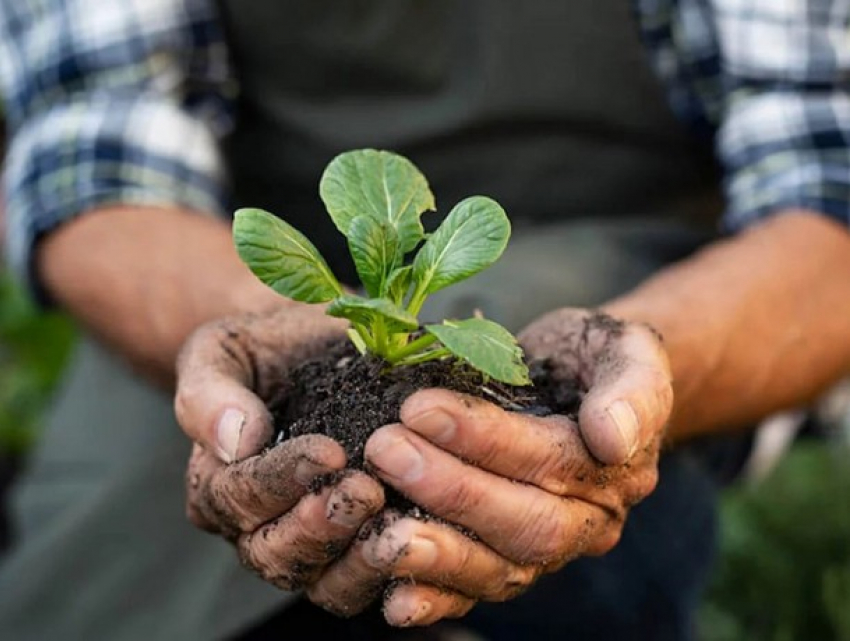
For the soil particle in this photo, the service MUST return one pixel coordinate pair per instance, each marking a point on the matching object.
(347, 396)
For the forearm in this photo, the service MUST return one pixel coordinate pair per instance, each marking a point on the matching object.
(752, 325)
(142, 279)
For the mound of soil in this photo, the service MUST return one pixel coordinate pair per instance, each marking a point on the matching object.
(347, 396)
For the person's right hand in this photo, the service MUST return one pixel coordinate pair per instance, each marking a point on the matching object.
(259, 498)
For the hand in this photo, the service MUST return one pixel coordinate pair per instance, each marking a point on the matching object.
(262, 500)
(535, 492)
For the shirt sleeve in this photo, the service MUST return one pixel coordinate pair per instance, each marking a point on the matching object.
(784, 126)
(107, 103)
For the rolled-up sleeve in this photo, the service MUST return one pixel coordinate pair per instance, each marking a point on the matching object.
(109, 103)
(784, 130)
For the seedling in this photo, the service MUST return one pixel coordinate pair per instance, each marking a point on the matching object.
(376, 199)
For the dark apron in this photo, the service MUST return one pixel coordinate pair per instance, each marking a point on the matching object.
(550, 108)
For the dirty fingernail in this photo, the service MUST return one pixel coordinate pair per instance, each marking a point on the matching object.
(435, 425)
(229, 433)
(306, 471)
(396, 457)
(420, 611)
(626, 420)
(343, 510)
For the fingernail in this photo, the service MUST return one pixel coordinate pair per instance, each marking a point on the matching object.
(625, 419)
(229, 433)
(422, 552)
(422, 611)
(435, 425)
(306, 471)
(344, 510)
(396, 457)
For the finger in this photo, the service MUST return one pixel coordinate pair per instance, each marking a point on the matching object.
(409, 604)
(351, 584)
(440, 555)
(519, 521)
(241, 496)
(547, 452)
(202, 466)
(630, 399)
(294, 550)
(213, 402)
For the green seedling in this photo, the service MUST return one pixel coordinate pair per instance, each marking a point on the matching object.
(376, 199)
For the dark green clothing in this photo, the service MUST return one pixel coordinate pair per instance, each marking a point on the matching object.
(548, 107)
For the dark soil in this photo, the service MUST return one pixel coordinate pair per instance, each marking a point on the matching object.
(348, 396)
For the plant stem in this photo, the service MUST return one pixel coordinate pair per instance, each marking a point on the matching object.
(434, 354)
(412, 348)
(365, 336)
(417, 300)
(381, 347)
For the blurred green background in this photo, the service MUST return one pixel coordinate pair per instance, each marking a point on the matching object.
(33, 350)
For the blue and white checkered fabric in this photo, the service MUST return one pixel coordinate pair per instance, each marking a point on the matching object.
(769, 80)
(125, 102)
(109, 102)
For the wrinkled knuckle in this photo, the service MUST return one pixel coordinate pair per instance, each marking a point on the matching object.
(254, 555)
(458, 500)
(545, 538)
(258, 556)
(221, 496)
(488, 449)
(306, 537)
(554, 470)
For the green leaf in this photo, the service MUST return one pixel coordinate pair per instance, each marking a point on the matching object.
(398, 284)
(376, 252)
(282, 257)
(485, 345)
(364, 311)
(470, 239)
(380, 184)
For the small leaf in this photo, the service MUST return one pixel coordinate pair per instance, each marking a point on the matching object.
(485, 345)
(282, 257)
(376, 252)
(470, 239)
(398, 284)
(380, 184)
(364, 311)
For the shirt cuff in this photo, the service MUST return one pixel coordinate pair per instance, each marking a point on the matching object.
(786, 151)
(104, 150)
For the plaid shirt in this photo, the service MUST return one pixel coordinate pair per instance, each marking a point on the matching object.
(125, 102)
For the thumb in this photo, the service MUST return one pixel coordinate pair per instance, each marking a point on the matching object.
(214, 404)
(630, 397)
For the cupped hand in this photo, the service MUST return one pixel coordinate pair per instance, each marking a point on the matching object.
(287, 524)
(528, 493)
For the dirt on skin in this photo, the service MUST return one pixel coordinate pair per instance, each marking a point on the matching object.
(347, 396)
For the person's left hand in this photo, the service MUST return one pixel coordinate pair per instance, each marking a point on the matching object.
(533, 492)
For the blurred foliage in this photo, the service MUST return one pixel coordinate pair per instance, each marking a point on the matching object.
(34, 348)
(784, 569)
